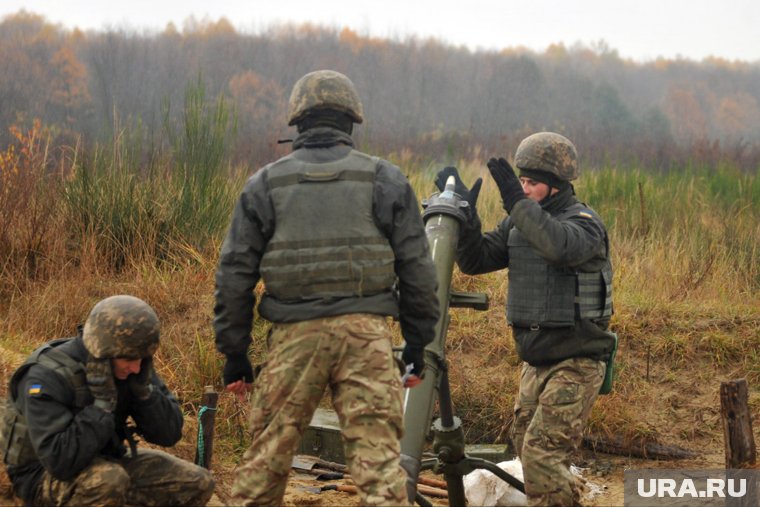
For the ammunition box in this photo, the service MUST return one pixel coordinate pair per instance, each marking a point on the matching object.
(495, 453)
(323, 438)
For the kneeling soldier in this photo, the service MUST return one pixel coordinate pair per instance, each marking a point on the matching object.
(65, 424)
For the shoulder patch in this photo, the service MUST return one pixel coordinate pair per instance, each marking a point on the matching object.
(585, 214)
(34, 390)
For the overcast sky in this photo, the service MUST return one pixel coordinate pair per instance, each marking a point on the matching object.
(639, 29)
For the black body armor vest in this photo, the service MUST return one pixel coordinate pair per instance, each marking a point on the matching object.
(544, 295)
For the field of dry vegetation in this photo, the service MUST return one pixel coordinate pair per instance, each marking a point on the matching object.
(76, 227)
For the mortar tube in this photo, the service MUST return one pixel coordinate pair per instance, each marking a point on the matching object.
(442, 216)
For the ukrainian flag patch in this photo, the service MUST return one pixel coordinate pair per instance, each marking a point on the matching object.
(585, 214)
(35, 389)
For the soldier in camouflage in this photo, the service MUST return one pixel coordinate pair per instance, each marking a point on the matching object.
(65, 427)
(337, 238)
(559, 303)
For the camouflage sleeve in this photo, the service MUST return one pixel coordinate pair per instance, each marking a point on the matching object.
(238, 270)
(159, 418)
(569, 242)
(479, 253)
(65, 443)
(398, 215)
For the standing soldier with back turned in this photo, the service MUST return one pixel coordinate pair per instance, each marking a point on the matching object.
(65, 427)
(559, 303)
(337, 237)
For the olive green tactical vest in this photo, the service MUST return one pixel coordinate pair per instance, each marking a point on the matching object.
(15, 444)
(325, 243)
(543, 295)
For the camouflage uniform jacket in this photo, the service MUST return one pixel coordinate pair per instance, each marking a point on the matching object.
(579, 241)
(66, 439)
(396, 215)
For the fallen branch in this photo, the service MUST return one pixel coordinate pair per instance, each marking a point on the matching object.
(636, 448)
(432, 491)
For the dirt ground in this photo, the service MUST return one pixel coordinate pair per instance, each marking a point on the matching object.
(605, 472)
(608, 472)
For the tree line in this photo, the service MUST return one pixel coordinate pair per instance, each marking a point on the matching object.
(420, 95)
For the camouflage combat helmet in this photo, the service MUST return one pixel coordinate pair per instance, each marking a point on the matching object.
(550, 152)
(324, 89)
(121, 326)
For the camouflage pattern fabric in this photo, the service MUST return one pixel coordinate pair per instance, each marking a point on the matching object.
(549, 152)
(152, 478)
(352, 354)
(551, 410)
(324, 89)
(121, 326)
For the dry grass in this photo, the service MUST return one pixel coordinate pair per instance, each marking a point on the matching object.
(687, 299)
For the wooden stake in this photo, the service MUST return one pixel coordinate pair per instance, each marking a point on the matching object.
(206, 428)
(737, 424)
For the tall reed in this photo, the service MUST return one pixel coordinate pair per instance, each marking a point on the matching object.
(200, 177)
(142, 212)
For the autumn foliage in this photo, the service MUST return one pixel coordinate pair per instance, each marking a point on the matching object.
(419, 94)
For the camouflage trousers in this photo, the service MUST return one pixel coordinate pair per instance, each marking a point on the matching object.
(551, 410)
(351, 354)
(151, 478)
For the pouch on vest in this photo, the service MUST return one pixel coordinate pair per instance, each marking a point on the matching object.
(15, 446)
(15, 442)
(7, 421)
(609, 373)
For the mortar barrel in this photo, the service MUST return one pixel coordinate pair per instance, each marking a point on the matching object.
(443, 215)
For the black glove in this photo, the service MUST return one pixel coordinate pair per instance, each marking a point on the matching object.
(507, 182)
(99, 376)
(415, 356)
(469, 195)
(237, 367)
(140, 384)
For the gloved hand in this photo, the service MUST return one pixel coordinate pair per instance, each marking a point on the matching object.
(140, 384)
(237, 367)
(100, 380)
(469, 195)
(507, 182)
(415, 356)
